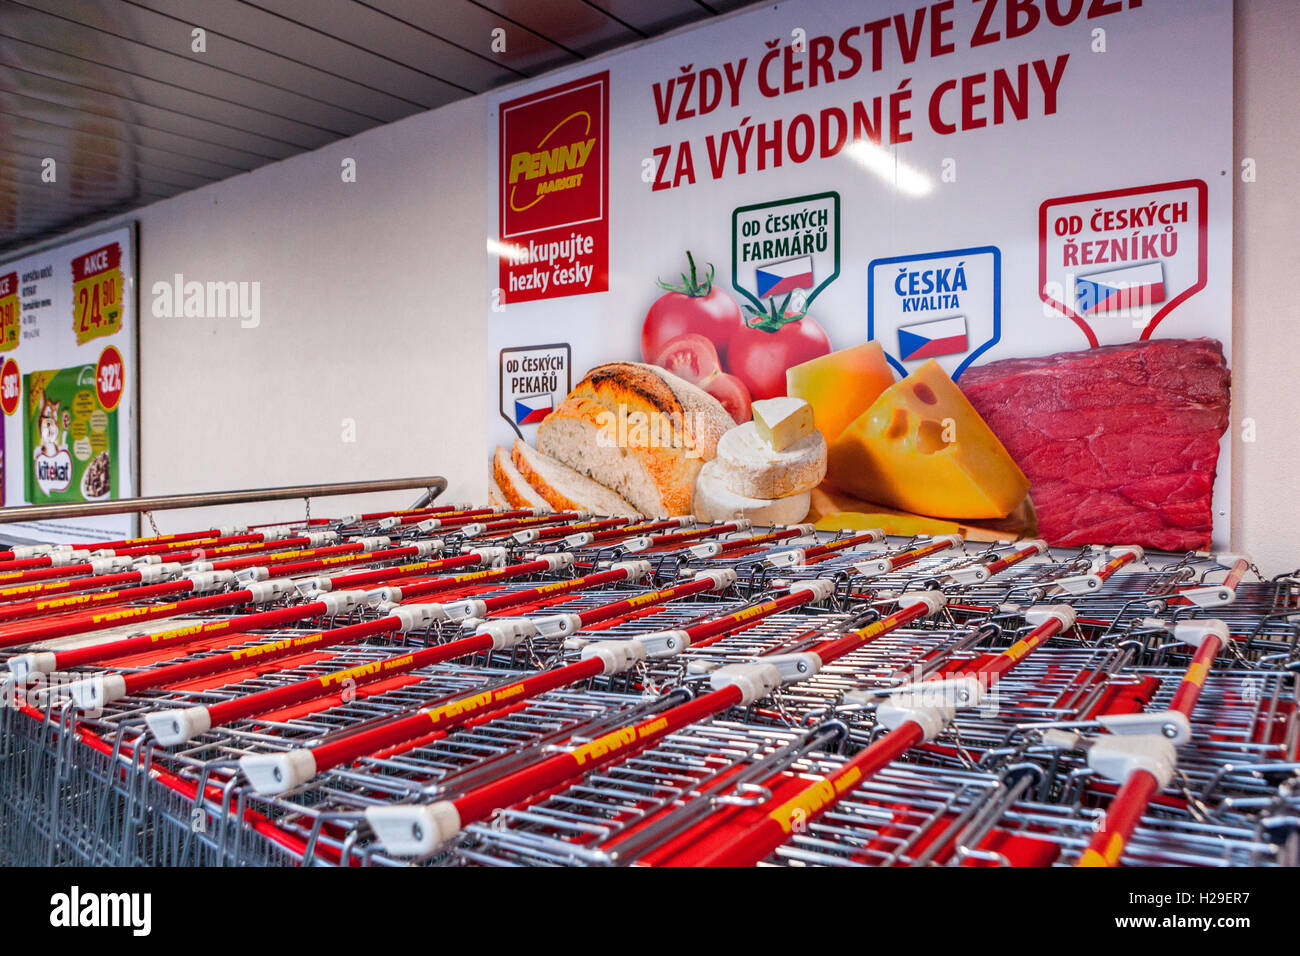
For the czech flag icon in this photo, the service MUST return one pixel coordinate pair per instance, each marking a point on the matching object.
(780, 278)
(531, 409)
(1114, 289)
(931, 339)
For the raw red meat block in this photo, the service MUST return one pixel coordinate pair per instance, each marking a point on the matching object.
(1120, 442)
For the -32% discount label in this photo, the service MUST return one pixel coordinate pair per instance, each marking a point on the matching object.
(109, 378)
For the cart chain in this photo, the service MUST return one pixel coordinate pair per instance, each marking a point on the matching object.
(1240, 657)
(962, 753)
(535, 660)
(1198, 809)
(651, 687)
(152, 524)
(778, 704)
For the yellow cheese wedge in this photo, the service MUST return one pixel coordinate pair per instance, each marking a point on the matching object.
(922, 447)
(840, 386)
(783, 421)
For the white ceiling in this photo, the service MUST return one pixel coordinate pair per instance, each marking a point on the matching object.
(114, 93)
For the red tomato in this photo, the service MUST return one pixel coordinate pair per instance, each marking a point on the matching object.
(733, 395)
(690, 356)
(694, 306)
(760, 358)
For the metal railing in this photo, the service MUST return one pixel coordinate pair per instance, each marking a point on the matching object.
(433, 485)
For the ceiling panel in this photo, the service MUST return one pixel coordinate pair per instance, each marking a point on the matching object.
(113, 91)
(164, 30)
(92, 161)
(154, 75)
(471, 26)
(175, 110)
(226, 20)
(396, 40)
(584, 27)
(23, 129)
(99, 115)
(656, 17)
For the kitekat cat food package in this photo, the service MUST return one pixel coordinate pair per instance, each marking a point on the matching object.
(70, 438)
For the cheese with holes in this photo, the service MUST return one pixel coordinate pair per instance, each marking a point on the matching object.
(840, 386)
(921, 447)
(783, 421)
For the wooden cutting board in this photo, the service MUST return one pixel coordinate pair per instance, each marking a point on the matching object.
(832, 510)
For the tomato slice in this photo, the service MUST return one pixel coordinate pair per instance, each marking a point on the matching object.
(699, 307)
(733, 395)
(690, 356)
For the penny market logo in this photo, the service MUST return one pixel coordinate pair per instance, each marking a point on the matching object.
(553, 158)
(555, 162)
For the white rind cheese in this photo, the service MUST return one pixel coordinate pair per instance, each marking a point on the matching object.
(783, 421)
(754, 469)
(714, 501)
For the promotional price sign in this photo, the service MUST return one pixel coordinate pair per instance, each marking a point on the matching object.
(68, 383)
(988, 243)
(97, 292)
(8, 312)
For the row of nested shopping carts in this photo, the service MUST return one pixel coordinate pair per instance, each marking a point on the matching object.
(457, 686)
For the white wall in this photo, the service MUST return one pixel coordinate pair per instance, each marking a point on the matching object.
(373, 304)
(375, 294)
(1266, 266)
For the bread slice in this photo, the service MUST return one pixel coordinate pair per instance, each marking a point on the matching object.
(517, 492)
(639, 430)
(496, 497)
(562, 487)
(751, 467)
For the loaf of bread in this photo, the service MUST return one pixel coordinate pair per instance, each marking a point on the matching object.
(753, 468)
(638, 430)
(514, 488)
(562, 487)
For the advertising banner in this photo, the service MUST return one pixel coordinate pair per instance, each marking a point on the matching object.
(942, 267)
(68, 383)
(554, 204)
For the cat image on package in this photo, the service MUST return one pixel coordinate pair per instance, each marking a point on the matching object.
(54, 438)
(53, 464)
